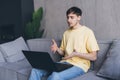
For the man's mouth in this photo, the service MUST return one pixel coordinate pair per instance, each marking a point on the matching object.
(69, 23)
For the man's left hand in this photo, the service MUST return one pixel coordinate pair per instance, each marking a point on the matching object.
(73, 54)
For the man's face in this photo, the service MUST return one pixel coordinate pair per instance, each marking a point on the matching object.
(73, 20)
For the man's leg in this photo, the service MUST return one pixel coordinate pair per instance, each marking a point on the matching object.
(66, 74)
(37, 74)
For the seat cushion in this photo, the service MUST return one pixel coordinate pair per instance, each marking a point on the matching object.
(111, 66)
(89, 76)
(21, 67)
(12, 51)
(15, 70)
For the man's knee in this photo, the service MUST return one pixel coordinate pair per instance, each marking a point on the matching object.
(34, 71)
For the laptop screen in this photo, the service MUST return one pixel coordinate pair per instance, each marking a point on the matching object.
(40, 60)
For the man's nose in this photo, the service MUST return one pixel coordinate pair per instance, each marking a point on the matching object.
(68, 19)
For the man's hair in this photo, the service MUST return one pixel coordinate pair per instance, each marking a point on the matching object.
(74, 10)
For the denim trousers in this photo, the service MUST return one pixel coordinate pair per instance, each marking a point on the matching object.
(72, 72)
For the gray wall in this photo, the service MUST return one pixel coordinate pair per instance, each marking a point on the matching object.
(102, 16)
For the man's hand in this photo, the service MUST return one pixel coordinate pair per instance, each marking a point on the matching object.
(54, 46)
(73, 54)
(91, 56)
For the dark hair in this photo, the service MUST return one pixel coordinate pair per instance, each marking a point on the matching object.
(74, 10)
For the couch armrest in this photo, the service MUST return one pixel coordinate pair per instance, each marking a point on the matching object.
(8, 71)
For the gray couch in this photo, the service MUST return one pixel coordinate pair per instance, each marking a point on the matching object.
(14, 66)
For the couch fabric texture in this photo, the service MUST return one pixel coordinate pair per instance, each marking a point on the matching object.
(14, 65)
(12, 50)
(1, 57)
(111, 66)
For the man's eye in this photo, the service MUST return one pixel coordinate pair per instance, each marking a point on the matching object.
(72, 17)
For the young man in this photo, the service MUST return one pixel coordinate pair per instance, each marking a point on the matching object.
(78, 47)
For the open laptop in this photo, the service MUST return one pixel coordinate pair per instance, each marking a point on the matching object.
(42, 60)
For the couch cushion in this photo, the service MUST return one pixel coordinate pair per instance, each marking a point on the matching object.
(15, 71)
(89, 76)
(1, 57)
(104, 47)
(25, 67)
(12, 51)
(111, 66)
(21, 67)
(43, 45)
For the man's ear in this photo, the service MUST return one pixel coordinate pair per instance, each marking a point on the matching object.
(79, 18)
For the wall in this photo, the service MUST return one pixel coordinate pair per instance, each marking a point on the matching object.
(16, 13)
(27, 9)
(10, 20)
(10, 13)
(102, 16)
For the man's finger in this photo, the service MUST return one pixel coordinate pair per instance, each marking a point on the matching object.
(53, 41)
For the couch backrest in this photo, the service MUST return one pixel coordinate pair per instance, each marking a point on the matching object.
(104, 47)
(43, 45)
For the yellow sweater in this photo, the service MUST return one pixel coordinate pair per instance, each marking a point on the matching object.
(83, 41)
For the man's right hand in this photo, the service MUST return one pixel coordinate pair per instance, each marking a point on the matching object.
(54, 46)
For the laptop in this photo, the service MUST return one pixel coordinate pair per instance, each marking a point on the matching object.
(42, 60)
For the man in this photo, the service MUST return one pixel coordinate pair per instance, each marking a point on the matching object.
(78, 47)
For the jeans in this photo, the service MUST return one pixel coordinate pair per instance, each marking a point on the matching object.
(37, 74)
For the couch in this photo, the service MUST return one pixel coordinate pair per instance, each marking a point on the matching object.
(14, 65)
